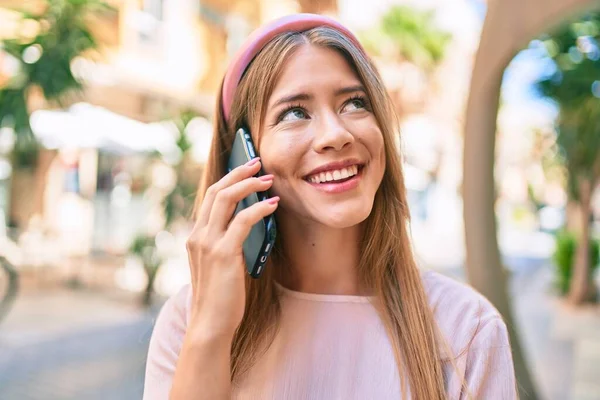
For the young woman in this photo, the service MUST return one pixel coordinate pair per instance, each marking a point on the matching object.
(341, 310)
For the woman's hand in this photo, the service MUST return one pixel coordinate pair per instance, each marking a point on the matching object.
(215, 250)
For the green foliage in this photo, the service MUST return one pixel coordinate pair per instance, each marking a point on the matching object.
(571, 48)
(574, 51)
(181, 122)
(13, 107)
(179, 203)
(144, 246)
(409, 34)
(13, 110)
(45, 59)
(564, 259)
(25, 152)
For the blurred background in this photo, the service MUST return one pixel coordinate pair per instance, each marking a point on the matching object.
(105, 125)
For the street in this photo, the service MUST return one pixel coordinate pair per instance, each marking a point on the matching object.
(107, 362)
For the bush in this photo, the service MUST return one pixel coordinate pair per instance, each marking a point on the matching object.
(564, 259)
(144, 246)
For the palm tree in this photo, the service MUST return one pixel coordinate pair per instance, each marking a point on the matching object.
(60, 35)
(408, 34)
(574, 50)
(409, 38)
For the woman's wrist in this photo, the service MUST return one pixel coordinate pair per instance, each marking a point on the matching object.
(203, 330)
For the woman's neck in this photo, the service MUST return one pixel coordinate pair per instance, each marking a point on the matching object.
(319, 259)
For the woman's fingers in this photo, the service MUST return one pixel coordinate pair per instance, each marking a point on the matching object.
(240, 226)
(227, 199)
(236, 175)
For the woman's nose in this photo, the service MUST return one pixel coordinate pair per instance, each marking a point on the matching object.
(331, 134)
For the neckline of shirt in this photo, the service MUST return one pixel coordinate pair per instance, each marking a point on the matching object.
(327, 298)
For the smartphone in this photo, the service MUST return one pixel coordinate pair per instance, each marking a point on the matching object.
(260, 241)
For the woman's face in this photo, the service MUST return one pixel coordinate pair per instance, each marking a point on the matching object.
(321, 141)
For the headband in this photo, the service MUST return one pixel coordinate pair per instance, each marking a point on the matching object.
(260, 37)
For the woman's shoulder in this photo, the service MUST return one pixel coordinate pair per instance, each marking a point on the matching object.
(459, 310)
(174, 314)
(178, 305)
(166, 343)
(447, 295)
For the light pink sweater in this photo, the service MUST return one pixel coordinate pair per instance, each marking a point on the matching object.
(333, 347)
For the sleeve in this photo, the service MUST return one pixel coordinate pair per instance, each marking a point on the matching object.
(489, 372)
(165, 345)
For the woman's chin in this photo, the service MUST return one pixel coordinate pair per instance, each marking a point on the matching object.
(341, 219)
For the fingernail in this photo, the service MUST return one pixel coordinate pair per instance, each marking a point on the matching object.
(253, 161)
(266, 178)
(273, 200)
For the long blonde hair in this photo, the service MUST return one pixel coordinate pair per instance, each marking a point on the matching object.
(387, 265)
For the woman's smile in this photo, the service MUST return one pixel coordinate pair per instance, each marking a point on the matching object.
(336, 177)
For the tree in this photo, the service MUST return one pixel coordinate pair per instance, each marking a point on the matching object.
(179, 203)
(145, 248)
(574, 51)
(410, 39)
(61, 35)
(408, 34)
(52, 37)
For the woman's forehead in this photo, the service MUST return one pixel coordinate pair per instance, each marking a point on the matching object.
(312, 69)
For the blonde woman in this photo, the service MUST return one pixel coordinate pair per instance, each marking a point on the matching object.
(341, 310)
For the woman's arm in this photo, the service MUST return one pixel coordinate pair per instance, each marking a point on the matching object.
(184, 362)
(189, 357)
(203, 370)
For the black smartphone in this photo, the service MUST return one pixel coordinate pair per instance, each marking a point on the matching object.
(260, 241)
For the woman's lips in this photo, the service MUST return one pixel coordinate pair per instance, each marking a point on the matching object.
(340, 186)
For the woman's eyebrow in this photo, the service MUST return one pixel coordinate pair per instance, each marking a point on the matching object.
(350, 89)
(292, 98)
(305, 96)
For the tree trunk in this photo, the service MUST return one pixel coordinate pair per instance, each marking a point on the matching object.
(27, 188)
(149, 290)
(147, 297)
(21, 204)
(580, 289)
(573, 216)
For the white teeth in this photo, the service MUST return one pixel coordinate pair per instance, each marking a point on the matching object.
(334, 175)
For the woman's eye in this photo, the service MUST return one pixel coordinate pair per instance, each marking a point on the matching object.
(294, 114)
(354, 104)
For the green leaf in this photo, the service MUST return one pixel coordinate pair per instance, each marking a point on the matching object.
(408, 34)
(570, 87)
(65, 37)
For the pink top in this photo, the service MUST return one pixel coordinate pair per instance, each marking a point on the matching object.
(335, 347)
